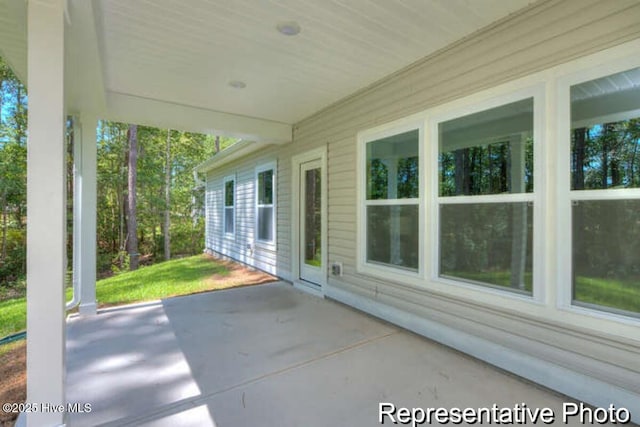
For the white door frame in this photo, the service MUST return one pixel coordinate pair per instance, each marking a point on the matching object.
(296, 162)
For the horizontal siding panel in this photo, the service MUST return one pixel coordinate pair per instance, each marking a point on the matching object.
(239, 247)
(448, 75)
(546, 34)
(345, 242)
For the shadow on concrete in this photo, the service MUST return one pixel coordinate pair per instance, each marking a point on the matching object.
(271, 356)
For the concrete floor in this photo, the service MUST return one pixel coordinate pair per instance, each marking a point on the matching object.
(268, 355)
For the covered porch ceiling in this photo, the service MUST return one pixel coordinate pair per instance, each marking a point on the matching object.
(178, 64)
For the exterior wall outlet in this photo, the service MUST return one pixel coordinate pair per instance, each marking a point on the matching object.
(336, 269)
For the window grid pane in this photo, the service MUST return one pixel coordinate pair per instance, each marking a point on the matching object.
(489, 152)
(393, 167)
(265, 187)
(605, 133)
(606, 253)
(393, 235)
(489, 244)
(229, 193)
(265, 223)
(228, 220)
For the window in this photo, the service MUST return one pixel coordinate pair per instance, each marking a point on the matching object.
(391, 205)
(485, 197)
(265, 204)
(605, 192)
(229, 206)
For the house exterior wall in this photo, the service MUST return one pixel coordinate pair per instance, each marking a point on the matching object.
(596, 359)
(242, 245)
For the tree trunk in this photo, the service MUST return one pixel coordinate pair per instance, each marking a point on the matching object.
(167, 198)
(579, 154)
(460, 157)
(132, 225)
(3, 252)
(217, 144)
(605, 154)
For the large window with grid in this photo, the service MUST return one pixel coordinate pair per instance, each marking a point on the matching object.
(391, 200)
(604, 196)
(485, 202)
(528, 191)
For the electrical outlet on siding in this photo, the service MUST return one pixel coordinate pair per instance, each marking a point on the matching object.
(336, 268)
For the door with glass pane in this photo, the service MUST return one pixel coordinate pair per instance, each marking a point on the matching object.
(310, 200)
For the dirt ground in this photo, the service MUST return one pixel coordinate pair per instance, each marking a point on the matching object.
(13, 357)
(13, 385)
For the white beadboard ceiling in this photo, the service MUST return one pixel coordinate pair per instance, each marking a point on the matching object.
(169, 62)
(187, 51)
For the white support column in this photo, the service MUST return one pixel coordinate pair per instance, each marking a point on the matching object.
(87, 273)
(46, 224)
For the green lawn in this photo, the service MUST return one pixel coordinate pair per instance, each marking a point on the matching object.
(497, 278)
(176, 277)
(609, 292)
(620, 294)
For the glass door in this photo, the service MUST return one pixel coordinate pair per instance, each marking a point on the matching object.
(311, 267)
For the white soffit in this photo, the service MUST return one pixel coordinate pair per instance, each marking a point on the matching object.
(188, 51)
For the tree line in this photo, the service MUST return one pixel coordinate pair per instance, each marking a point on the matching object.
(149, 206)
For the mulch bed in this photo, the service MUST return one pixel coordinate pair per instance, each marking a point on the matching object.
(13, 388)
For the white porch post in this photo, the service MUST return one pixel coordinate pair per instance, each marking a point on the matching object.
(46, 227)
(87, 225)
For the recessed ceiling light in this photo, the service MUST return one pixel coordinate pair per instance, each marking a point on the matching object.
(237, 84)
(290, 28)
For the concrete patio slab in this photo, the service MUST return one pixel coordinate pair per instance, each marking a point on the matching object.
(268, 355)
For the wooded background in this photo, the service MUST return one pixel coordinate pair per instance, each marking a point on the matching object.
(147, 200)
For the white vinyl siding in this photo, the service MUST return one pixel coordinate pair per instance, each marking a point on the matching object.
(545, 338)
(542, 37)
(244, 246)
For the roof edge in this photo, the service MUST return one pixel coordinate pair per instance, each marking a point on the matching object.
(229, 154)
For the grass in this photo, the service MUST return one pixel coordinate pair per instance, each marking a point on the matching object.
(496, 278)
(183, 276)
(615, 293)
(13, 316)
(609, 292)
(167, 279)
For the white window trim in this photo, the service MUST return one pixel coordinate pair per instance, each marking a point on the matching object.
(493, 100)
(550, 301)
(266, 244)
(566, 196)
(297, 160)
(232, 234)
(389, 272)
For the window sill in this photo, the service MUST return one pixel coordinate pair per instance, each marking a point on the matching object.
(627, 319)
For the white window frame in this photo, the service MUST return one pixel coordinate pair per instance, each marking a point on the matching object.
(266, 244)
(477, 104)
(566, 196)
(390, 272)
(228, 234)
(552, 287)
